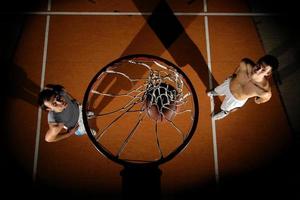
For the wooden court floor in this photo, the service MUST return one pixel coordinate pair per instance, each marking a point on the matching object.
(71, 48)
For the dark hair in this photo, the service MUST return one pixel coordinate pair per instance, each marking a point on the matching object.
(46, 94)
(248, 61)
(269, 60)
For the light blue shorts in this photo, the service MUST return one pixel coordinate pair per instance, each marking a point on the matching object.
(81, 129)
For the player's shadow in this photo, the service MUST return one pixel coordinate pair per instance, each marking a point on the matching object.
(20, 86)
(17, 83)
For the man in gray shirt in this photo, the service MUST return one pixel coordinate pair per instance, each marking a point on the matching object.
(64, 113)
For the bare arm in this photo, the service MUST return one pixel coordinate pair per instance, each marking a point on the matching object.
(54, 133)
(237, 69)
(241, 67)
(263, 98)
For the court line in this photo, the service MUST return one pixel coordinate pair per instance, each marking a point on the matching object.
(213, 124)
(38, 129)
(144, 13)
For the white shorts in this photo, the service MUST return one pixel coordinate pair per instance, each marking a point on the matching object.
(229, 102)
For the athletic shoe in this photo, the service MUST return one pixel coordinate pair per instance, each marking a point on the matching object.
(90, 114)
(220, 115)
(212, 93)
(94, 132)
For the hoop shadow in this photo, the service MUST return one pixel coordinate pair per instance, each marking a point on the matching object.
(174, 37)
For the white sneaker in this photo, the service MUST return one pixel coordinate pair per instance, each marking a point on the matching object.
(94, 133)
(90, 114)
(220, 115)
(212, 93)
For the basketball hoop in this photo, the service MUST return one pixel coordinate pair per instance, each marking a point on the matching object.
(134, 96)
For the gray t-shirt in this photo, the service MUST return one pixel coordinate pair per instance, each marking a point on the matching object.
(69, 117)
